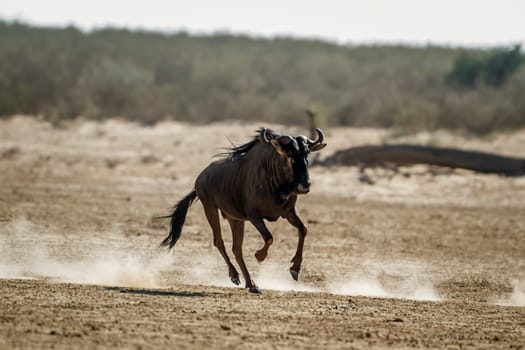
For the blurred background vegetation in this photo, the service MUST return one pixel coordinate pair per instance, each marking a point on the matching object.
(64, 73)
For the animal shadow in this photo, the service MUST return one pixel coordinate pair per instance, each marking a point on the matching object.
(157, 292)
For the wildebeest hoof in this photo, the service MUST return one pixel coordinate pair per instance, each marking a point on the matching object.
(236, 280)
(295, 274)
(255, 290)
(260, 255)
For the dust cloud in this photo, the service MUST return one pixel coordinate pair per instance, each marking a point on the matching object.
(210, 269)
(276, 277)
(206, 269)
(389, 279)
(27, 253)
(373, 287)
(516, 297)
(384, 280)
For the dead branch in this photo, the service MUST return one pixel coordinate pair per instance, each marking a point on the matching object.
(381, 155)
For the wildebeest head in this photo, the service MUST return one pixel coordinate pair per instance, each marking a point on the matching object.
(295, 151)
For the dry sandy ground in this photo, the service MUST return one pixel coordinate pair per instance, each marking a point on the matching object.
(426, 260)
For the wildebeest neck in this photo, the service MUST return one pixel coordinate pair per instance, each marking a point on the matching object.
(267, 166)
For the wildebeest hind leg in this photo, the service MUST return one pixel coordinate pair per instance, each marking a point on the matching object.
(212, 214)
(294, 219)
(237, 239)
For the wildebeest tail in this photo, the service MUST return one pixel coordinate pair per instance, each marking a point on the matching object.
(177, 219)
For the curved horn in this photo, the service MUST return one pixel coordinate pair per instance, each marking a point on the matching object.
(263, 137)
(320, 137)
(318, 144)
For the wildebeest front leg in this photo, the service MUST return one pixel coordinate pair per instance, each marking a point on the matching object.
(258, 222)
(212, 214)
(237, 239)
(294, 219)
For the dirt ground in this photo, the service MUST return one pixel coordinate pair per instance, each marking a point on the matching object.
(424, 258)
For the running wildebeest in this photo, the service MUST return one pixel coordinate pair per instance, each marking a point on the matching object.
(257, 181)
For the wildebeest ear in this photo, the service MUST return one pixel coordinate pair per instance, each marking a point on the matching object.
(278, 147)
(317, 147)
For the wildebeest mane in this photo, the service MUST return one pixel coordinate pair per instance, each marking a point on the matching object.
(236, 152)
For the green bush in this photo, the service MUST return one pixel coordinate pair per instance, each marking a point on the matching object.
(501, 65)
(495, 69)
(466, 72)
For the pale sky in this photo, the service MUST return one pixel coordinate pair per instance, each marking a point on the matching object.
(449, 22)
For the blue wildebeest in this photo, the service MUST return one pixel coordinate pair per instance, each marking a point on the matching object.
(257, 181)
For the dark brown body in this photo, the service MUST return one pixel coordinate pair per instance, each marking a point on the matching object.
(242, 186)
(255, 182)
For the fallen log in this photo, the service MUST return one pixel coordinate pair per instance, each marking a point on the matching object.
(374, 155)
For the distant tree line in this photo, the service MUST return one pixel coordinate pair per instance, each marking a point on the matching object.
(64, 73)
